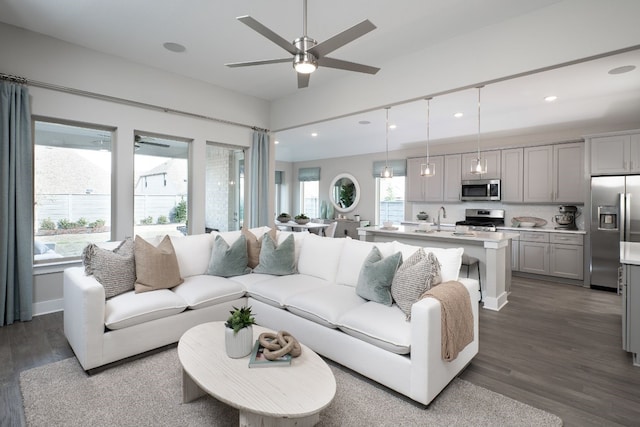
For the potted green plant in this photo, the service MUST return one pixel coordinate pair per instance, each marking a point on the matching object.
(284, 217)
(422, 216)
(238, 337)
(302, 219)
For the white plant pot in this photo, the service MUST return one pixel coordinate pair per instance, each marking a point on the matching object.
(240, 344)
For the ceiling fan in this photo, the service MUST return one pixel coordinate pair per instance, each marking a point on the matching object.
(139, 139)
(307, 53)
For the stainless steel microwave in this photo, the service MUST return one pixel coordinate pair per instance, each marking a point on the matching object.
(480, 189)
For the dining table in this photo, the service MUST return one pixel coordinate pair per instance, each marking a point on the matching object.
(294, 226)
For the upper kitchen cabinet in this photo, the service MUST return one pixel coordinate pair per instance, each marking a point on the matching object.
(615, 154)
(452, 177)
(554, 174)
(421, 188)
(511, 185)
(493, 165)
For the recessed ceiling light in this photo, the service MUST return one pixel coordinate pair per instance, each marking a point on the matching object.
(458, 115)
(276, 142)
(622, 70)
(174, 47)
(364, 122)
(392, 126)
(550, 98)
(314, 134)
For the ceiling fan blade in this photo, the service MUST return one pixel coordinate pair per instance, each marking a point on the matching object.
(339, 40)
(303, 80)
(346, 65)
(157, 144)
(266, 32)
(263, 62)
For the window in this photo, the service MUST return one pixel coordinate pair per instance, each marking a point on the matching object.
(161, 185)
(390, 199)
(224, 183)
(72, 183)
(309, 191)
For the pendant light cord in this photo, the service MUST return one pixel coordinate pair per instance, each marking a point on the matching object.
(428, 121)
(478, 139)
(386, 163)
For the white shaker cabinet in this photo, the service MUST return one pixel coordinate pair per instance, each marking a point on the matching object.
(538, 177)
(452, 177)
(552, 254)
(554, 174)
(424, 189)
(512, 168)
(615, 154)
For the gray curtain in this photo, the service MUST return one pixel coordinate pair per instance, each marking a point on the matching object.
(259, 188)
(16, 204)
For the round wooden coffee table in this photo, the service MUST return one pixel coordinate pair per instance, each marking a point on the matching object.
(279, 395)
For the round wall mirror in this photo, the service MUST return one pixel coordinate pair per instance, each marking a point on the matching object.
(344, 192)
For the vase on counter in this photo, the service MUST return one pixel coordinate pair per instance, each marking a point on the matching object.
(323, 209)
(330, 212)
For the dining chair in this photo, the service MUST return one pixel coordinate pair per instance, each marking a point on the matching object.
(330, 231)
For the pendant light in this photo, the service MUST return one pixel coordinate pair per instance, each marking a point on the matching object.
(387, 172)
(478, 165)
(428, 169)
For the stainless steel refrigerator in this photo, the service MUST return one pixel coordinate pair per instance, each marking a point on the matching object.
(615, 217)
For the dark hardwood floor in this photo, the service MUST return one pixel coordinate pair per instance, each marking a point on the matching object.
(556, 347)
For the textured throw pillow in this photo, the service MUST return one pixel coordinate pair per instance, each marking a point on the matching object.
(376, 275)
(414, 277)
(156, 267)
(277, 260)
(254, 244)
(114, 270)
(228, 261)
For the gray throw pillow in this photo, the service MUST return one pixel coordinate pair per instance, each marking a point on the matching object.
(376, 275)
(278, 260)
(114, 270)
(414, 277)
(228, 261)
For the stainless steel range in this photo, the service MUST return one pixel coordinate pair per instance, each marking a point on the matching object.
(483, 219)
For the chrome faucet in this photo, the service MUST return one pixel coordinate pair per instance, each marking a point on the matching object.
(444, 215)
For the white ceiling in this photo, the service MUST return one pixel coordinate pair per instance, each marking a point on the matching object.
(136, 30)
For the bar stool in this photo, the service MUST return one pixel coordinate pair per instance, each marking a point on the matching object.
(468, 261)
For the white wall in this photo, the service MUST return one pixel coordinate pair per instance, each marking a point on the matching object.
(48, 60)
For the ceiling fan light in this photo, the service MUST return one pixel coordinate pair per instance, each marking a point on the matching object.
(305, 63)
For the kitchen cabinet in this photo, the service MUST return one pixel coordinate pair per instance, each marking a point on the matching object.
(552, 254)
(452, 177)
(515, 253)
(615, 154)
(512, 166)
(424, 189)
(493, 165)
(554, 174)
(629, 287)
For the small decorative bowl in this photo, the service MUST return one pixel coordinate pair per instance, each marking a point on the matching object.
(284, 218)
(302, 221)
(422, 217)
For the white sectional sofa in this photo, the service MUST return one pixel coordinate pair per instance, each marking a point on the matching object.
(318, 305)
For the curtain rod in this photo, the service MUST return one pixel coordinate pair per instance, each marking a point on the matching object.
(124, 101)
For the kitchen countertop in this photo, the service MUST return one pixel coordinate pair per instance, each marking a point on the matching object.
(630, 253)
(546, 229)
(447, 232)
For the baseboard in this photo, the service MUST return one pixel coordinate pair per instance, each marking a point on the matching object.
(46, 307)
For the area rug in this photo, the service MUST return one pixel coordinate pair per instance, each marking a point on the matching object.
(148, 392)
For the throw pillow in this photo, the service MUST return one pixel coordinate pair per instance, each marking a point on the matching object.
(376, 275)
(278, 260)
(254, 244)
(414, 277)
(228, 261)
(114, 270)
(156, 267)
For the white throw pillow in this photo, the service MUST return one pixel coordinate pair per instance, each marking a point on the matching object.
(193, 253)
(319, 256)
(450, 259)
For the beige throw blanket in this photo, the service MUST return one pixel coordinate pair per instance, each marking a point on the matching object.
(457, 317)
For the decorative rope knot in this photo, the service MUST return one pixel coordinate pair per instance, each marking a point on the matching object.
(277, 345)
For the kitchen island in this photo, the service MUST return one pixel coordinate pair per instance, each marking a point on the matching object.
(493, 250)
(629, 287)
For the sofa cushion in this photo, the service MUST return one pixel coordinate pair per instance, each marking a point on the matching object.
(277, 290)
(277, 260)
(324, 305)
(319, 256)
(228, 260)
(156, 266)
(450, 259)
(115, 270)
(376, 276)
(203, 291)
(248, 280)
(353, 254)
(414, 277)
(383, 326)
(298, 239)
(193, 253)
(132, 308)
